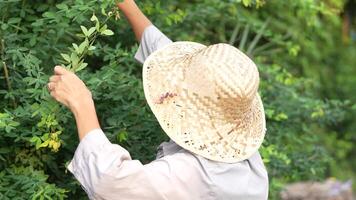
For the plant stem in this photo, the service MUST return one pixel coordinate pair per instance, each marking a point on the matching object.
(6, 71)
(257, 38)
(91, 42)
(244, 37)
(234, 34)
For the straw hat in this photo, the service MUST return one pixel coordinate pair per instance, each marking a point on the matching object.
(205, 99)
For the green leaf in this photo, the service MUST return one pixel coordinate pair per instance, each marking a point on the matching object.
(103, 28)
(37, 23)
(34, 139)
(13, 123)
(82, 46)
(91, 48)
(103, 12)
(38, 143)
(4, 26)
(32, 41)
(97, 26)
(246, 2)
(65, 57)
(14, 20)
(44, 137)
(8, 129)
(81, 66)
(49, 15)
(353, 107)
(281, 117)
(94, 18)
(76, 48)
(62, 6)
(91, 31)
(81, 35)
(4, 115)
(122, 136)
(44, 144)
(107, 32)
(74, 59)
(269, 113)
(85, 30)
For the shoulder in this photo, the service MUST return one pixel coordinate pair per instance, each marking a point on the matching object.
(152, 39)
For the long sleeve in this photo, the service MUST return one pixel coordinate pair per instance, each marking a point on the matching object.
(106, 171)
(96, 157)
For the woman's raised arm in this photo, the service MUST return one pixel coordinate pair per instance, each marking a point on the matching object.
(135, 17)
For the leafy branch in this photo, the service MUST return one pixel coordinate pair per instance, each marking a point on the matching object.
(75, 60)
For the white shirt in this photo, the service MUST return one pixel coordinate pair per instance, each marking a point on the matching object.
(107, 171)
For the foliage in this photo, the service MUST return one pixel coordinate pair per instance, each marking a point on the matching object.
(31, 181)
(292, 48)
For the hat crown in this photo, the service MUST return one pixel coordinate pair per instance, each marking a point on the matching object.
(222, 71)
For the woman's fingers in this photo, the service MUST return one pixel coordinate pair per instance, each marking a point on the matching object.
(55, 78)
(58, 70)
(51, 86)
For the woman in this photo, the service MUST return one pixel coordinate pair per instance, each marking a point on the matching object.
(205, 99)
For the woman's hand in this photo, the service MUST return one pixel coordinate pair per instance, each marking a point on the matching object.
(67, 88)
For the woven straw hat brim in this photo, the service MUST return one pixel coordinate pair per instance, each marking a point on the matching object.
(194, 122)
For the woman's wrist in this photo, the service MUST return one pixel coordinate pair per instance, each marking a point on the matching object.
(85, 116)
(77, 107)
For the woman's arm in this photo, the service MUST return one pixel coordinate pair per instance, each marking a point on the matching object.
(135, 17)
(69, 90)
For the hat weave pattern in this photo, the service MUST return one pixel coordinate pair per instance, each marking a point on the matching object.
(205, 99)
